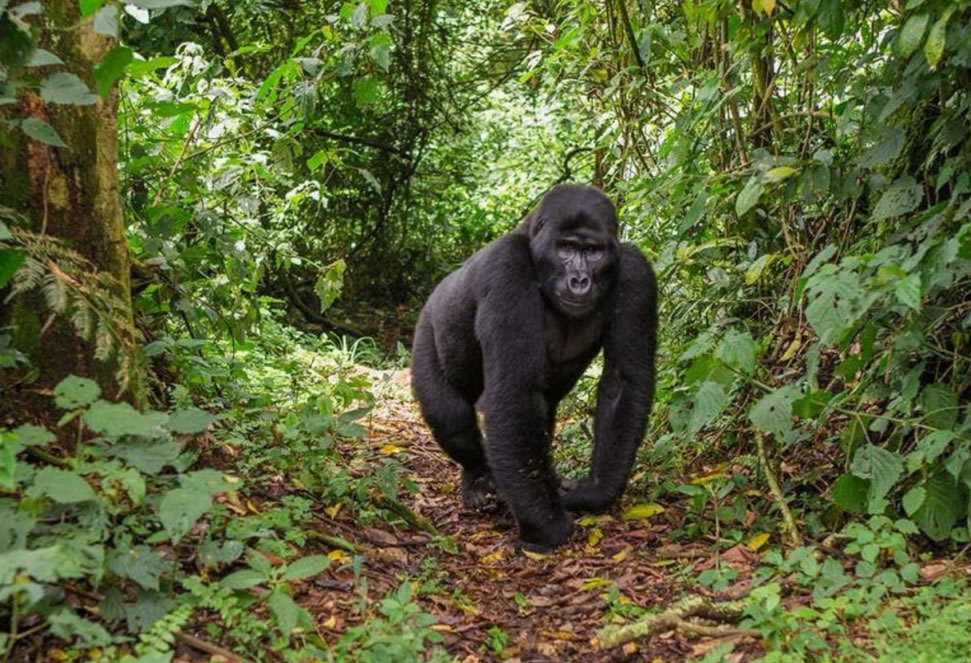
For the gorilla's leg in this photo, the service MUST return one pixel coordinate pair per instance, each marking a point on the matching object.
(451, 418)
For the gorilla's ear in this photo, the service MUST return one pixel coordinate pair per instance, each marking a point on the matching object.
(536, 223)
(531, 224)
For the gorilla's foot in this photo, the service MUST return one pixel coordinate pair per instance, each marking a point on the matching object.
(477, 486)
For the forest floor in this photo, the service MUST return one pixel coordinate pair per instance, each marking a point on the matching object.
(492, 601)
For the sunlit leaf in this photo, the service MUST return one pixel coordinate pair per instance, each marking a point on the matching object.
(642, 511)
(911, 34)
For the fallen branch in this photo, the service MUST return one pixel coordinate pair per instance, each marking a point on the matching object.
(208, 647)
(676, 617)
(406, 514)
(332, 541)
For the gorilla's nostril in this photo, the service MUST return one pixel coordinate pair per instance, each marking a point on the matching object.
(579, 285)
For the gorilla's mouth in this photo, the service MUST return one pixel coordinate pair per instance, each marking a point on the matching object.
(575, 307)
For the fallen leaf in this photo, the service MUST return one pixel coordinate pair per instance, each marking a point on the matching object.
(706, 478)
(535, 555)
(640, 511)
(594, 539)
(595, 583)
(389, 449)
(333, 510)
(494, 557)
(622, 555)
(339, 556)
(331, 622)
(757, 541)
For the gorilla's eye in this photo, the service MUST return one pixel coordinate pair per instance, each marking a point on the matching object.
(566, 251)
(593, 253)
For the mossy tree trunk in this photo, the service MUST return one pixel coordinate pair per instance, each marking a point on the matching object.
(71, 194)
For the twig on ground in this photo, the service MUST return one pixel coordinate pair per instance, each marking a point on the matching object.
(394, 506)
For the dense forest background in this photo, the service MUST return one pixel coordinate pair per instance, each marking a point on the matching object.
(218, 221)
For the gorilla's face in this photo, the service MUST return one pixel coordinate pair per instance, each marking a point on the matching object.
(574, 247)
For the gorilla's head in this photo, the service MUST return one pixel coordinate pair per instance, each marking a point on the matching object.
(573, 241)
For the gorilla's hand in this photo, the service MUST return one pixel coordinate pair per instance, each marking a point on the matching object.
(545, 536)
(476, 488)
(587, 496)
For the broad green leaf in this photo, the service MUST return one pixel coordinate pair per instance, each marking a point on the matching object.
(160, 4)
(306, 567)
(773, 412)
(31, 435)
(831, 18)
(754, 272)
(941, 506)
(117, 419)
(738, 349)
(68, 626)
(695, 212)
(378, 7)
(367, 91)
(5, 233)
(914, 499)
(380, 50)
(209, 481)
(748, 196)
(901, 197)
(882, 467)
(139, 14)
(43, 58)
(62, 486)
(66, 88)
(934, 48)
(836, 302)
(908, 291)
(148, 456)
(73, 392)
(940, 406)
(911, 34)
(89, 7)
(284, 610)
(886, 148)
(111, 69)
(106, 21)
(929, 448)
(319, 158)
(190, 420)
(763, 6)
(708, 402)
(780, 173)
(10, 262)
(41, 131)
(140, 564)
(140, 68)
(180, 509)
(850, 492)
(244, 579)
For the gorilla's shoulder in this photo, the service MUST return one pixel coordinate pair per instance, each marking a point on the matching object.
(632, 259)
(508, 254)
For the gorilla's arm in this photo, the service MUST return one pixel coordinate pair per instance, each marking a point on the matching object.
(509, 328)
(626, 389)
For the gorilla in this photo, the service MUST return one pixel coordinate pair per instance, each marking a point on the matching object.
(510, 333)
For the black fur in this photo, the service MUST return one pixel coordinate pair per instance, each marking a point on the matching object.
(511, 332)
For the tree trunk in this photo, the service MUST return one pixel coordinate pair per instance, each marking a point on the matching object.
(70, 195)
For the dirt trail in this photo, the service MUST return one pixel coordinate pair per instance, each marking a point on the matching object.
(550, 607)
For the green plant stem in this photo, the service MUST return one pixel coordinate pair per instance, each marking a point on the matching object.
(789, 523)
(14, 618)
